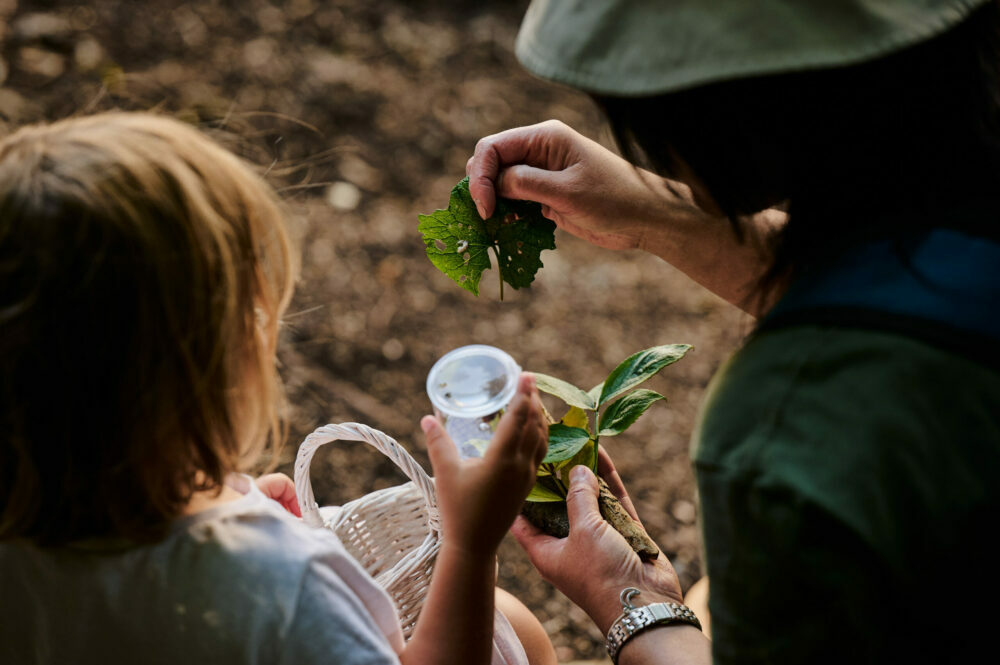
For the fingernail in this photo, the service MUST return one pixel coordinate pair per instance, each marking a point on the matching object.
(578, 474)
(479, 208)
(427, 424)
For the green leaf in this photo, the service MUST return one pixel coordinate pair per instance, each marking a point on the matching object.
(457, 239)
(620, 415)
(587, 457)
(595, 392)
(521, 232)
(543, 493)
(446, 231)
(638, 367)
(564, 442)
(565, 391)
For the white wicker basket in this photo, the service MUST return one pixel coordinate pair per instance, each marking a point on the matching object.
(393, 533)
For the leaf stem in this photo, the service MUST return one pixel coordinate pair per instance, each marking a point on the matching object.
(562, 486)
(554, 474)
(496, 253)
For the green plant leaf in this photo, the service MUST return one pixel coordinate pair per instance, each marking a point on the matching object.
(458, 227)
(587, 456)
(457, 239)
(638, 367)
(564, 442)
(595, 392)
(542, 492)
(565, 391)
(620, 415)
(576, 417)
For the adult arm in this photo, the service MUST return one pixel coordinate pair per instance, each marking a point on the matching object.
(611, 565)
(477, 500)
(596, 195)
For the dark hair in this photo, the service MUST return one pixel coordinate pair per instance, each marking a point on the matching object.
(854, 152)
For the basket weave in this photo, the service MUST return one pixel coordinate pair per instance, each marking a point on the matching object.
(394, 533)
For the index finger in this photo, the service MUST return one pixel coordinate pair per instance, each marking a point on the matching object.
(606, 470)
(520, 145)
(540, 547)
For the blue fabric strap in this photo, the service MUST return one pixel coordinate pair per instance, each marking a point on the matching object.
(939, 284)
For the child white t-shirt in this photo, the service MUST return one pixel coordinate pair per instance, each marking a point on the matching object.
(243, 583)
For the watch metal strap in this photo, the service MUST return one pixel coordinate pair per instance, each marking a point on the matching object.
(637, 619)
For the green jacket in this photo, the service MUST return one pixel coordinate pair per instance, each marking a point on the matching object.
(850, 490)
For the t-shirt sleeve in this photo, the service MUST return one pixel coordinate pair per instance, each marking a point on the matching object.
(331, 623)
(789, 583)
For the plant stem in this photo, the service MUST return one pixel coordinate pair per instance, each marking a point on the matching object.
(565, 490)
(496, 253)
(554, 473)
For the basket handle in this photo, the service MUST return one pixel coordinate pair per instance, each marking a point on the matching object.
(382, 442)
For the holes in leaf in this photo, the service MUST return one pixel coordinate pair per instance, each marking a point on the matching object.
(467, 257)
(462, 278)
(440, 244)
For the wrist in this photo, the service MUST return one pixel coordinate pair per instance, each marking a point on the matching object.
(679, 643)
(468, 555)
(637, 620)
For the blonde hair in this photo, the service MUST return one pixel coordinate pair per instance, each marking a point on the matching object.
(143, 274)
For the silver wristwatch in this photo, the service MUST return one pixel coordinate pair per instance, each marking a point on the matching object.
(634, 620)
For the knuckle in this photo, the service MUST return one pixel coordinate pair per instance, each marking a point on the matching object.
(559, 129)
(577, 492)
(510, 179)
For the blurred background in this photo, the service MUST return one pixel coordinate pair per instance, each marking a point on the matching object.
(363, 113)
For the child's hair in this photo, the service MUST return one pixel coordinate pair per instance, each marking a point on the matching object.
(143, 274)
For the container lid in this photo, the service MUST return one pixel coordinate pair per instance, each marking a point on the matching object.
(473, 381)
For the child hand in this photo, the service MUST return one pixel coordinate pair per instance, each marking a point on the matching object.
(280, 487)
(479, 498)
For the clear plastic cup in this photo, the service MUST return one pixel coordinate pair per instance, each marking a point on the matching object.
(470, 387)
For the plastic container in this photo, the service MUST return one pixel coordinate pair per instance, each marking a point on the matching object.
(470, 387)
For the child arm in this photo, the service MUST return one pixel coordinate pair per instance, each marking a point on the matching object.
(478, 500)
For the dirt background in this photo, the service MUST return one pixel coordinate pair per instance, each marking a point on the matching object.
(364, 112)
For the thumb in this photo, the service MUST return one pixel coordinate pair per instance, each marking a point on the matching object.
(581, 501)
(442, 451)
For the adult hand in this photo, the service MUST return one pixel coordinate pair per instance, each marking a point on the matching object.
(478, 498)
(594, 563)
(583, 187)
(279, 487)
(596, 195)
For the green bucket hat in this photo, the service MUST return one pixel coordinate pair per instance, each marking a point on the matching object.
(645, 47)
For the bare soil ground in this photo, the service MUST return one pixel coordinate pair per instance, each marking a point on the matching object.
(364, 113)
